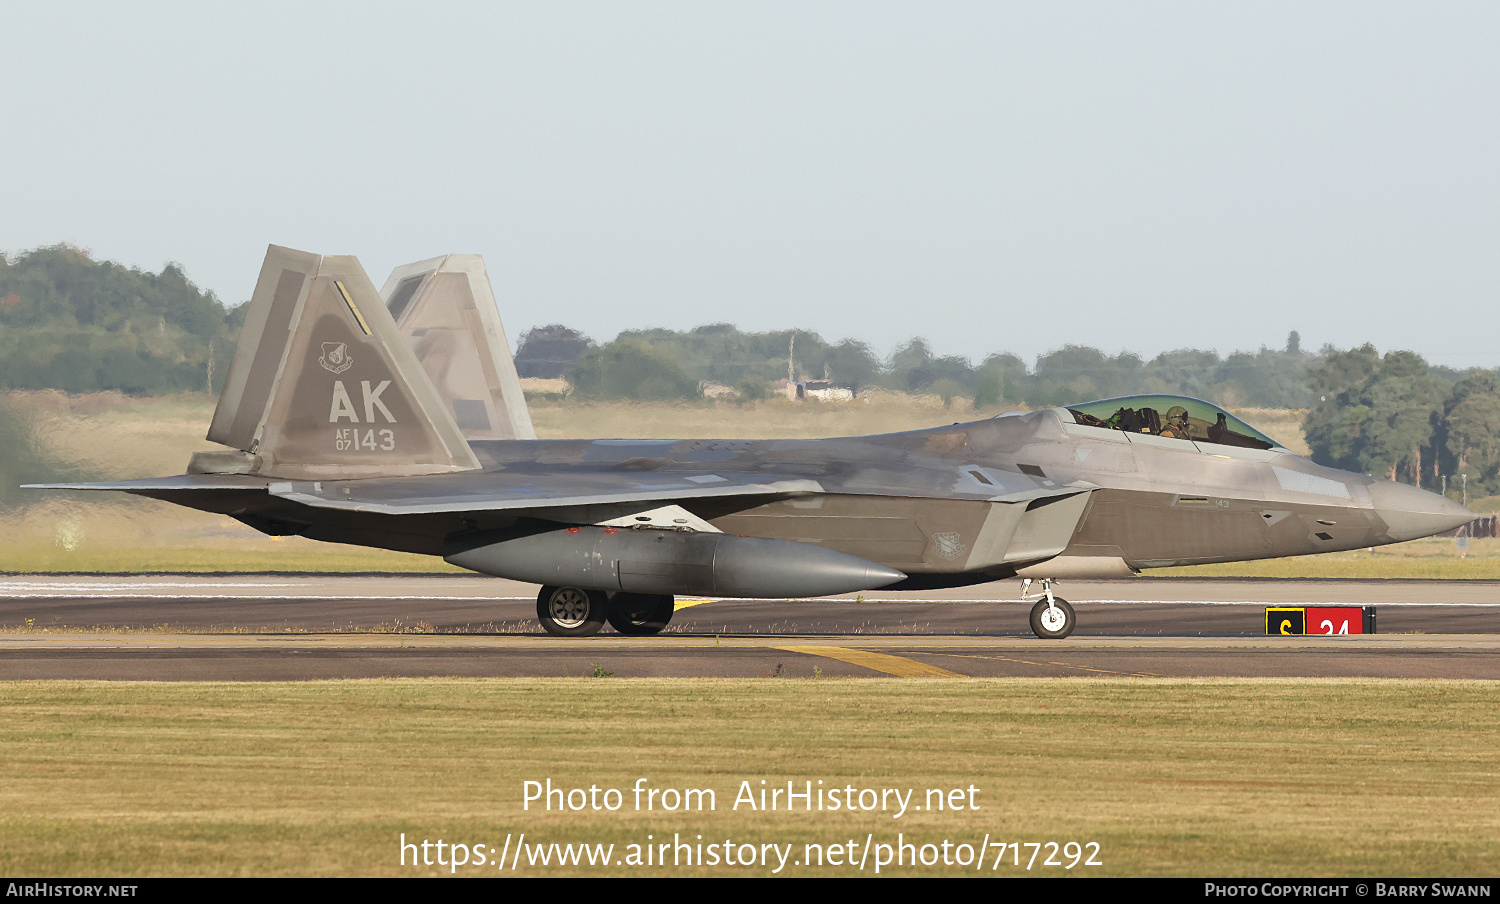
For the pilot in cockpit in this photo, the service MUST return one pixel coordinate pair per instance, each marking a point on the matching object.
(1176, 425)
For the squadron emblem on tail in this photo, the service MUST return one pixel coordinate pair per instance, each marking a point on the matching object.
(336, 358)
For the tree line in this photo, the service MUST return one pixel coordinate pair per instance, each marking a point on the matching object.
(678, 361)
(72, 323)
(1395, 417)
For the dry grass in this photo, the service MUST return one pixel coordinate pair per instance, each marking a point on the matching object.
(1170, 777)
(116, 437)
(775, 418)
(1281, 424)
(1428, 559)
(94, 532)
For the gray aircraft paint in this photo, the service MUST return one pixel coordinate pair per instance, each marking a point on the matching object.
(1036, 494)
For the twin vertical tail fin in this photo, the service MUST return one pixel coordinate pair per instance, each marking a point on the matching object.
(446, 310)
(324, 385)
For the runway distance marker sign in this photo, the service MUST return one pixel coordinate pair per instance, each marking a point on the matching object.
(1320, 620)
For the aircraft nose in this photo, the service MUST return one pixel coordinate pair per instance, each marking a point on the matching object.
(1410, 513)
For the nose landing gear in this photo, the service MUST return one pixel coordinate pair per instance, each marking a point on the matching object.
(1052, 618)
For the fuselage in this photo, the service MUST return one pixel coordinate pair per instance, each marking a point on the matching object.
(920, 501)
(1035, 493)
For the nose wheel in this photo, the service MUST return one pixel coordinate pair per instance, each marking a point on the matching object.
(1052, 618)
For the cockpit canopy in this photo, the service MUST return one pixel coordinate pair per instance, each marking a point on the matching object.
(1176, 417)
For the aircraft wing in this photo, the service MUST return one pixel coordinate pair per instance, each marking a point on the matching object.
(540, 486)
(146, 485)
(495, 492)
(544, 488)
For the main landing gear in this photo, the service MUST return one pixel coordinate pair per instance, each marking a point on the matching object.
(1052, 617)
(574, 612)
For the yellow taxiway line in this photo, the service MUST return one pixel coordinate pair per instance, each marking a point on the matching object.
(899, 666)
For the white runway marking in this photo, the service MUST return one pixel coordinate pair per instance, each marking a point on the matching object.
(1314, 604)
(191, 591)
(1311, 604)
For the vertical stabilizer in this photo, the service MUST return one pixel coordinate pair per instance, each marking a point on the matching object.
(262, 347)
(323, 384)
(445, 308)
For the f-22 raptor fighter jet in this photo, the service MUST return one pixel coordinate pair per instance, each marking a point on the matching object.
(394, 419)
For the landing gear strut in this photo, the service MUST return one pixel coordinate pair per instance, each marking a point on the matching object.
(1052, 618)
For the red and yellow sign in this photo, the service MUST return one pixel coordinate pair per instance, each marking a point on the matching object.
(1320, 620)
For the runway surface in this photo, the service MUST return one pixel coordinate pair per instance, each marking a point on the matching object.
(281, 627)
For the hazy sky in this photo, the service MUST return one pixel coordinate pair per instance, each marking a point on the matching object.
(994, 177)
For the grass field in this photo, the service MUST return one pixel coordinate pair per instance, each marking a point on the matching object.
(112, 436)
(1184, 777)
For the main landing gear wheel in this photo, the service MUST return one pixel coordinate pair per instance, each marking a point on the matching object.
(641, 613)
(1053, 622)
(571, 612)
